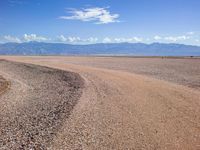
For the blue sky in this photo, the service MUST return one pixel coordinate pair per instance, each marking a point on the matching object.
(90, 21)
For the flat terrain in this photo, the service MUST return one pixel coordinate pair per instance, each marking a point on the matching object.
(126, 103)
(184, 71)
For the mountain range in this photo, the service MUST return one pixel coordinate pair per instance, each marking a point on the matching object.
(132, 49)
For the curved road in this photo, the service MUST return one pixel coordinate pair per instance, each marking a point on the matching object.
(120, 110)
(36, 105)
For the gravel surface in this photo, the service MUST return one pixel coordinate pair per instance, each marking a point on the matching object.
(2, 81)
(119, 109)
(4, 85)
(40, 99)
(183, 71)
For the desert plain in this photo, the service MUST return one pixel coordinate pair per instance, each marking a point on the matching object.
(58, 102)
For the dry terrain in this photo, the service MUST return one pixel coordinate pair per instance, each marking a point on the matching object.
(40, 99)
(184, 71)
(126, 103)
(4, 85)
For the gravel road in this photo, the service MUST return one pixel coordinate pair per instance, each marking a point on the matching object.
(4, 85)
(183, 71)
(123, 110)
(39, 100)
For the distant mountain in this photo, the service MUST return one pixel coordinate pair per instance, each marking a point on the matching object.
(136, 49)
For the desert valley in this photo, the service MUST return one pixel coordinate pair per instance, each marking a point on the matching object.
(62, 102)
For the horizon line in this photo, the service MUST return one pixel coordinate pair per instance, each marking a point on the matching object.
(98, 43)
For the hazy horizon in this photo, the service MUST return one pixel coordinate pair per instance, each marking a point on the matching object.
(82, 44)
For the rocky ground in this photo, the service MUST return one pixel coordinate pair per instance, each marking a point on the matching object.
(179, 70)
(119, 108)
(4, 85)
(39, 100)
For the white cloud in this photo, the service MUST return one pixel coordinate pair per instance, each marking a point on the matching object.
(25, 38)
(9, 38)
(96, 14)
(118, 40)
(91, 40)
(72, 39)
(107, 40)
(69, 39)
(157, 37)
(171, 38)
(62, 38)
(129, 40)
(190, 33)
(176, 38)
(138, 39)
(34, 37)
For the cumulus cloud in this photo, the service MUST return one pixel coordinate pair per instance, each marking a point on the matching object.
(185, 37)
(122, 40)
(176, 38)
(91, 40)
(24, 38)
(107, 40)
(97, 14)
(137, 39)
(62, 38)
(9, 38)
(71, 39)
(33, 37)
(157, 37)
(129, 40)
(74, 39)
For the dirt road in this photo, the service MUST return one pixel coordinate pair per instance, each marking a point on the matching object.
(122, 110)
(35, 106)
(4, 85)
